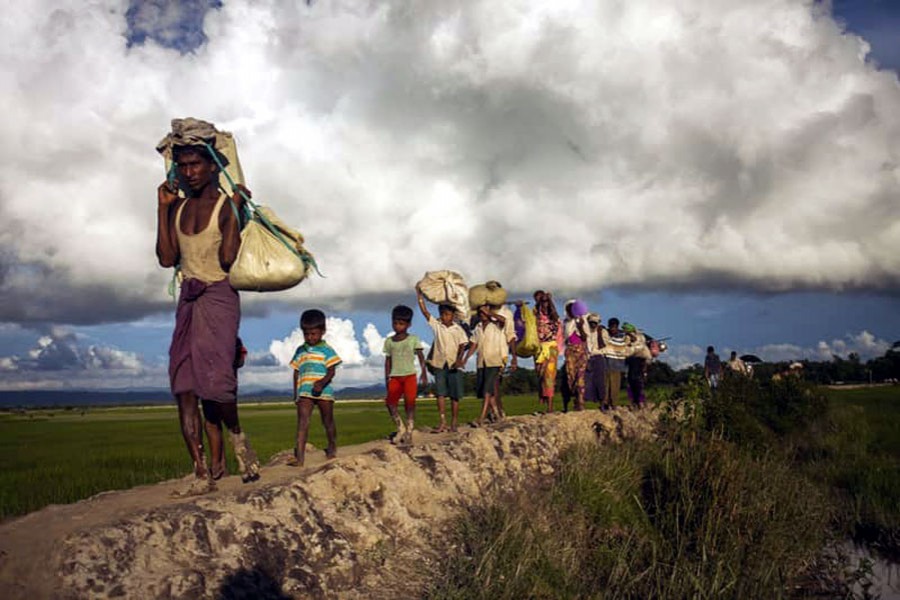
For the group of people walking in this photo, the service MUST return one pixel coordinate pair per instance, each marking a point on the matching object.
(595, 357)
(200, 235)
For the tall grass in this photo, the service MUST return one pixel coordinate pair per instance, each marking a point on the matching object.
(693, 519)
(743, 495)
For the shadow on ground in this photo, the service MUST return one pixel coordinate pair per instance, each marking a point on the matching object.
(247, 584)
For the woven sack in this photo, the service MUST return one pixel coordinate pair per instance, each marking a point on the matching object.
(490, 292)
(264, 263)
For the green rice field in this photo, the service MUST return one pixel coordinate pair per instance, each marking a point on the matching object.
(59, 456)
(64, 455)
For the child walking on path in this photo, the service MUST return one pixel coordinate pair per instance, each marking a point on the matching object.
(490, 341)
(400, 352)
(314, 364)
(448, 349)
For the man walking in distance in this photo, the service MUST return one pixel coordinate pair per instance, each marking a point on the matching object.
(201, 233)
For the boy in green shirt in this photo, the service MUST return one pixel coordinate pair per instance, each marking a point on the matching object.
(400, 352)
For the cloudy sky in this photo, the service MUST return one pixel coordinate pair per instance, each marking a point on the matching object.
(723, 172)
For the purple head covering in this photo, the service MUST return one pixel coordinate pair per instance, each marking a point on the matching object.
(579, 308)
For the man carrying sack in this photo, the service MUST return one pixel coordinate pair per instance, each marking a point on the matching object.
(200, 233)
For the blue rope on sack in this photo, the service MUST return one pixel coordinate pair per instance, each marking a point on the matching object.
(170, 178)
(305, 257)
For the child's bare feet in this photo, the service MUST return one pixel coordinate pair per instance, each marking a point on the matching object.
(330, 453)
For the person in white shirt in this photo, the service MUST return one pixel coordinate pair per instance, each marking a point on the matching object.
(490, 341)
(446, 359)
(595, 376)
(736, 365)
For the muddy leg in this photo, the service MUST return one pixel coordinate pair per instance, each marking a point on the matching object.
(326, 411)
(189, 416)
(212, 423)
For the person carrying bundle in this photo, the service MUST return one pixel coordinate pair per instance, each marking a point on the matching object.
(575, 330)
(201, 234)
(637, 363)
(447, 352)
(549, 330)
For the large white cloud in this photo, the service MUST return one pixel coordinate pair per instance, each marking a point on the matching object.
(546, 144)
(360, 364)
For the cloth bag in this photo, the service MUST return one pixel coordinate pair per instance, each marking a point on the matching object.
(490, 292)
(528, 344)
(264, 262)
(447, 287)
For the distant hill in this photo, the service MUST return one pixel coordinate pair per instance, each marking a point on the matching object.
(58, 398)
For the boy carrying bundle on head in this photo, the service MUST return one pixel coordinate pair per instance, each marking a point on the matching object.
(448, 350)
(492, 344)
(400, 352)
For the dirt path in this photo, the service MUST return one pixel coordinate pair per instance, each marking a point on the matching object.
(326, 521)
(26, 542)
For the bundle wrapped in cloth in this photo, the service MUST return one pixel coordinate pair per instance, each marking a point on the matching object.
(490, 292)
(447, 287)
(268, 260)
(271, 256)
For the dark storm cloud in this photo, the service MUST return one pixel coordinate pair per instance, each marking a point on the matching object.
(60, 350)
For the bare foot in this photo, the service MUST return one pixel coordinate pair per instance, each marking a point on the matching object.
(294, 462)
(217, 472)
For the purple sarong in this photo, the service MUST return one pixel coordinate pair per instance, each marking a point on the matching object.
(201, 357)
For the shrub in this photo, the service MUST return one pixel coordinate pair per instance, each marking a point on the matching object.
(681, 519)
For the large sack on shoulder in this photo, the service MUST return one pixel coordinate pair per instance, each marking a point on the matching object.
(490, 292)
(528, 344)
(446, 287)
(266, 263)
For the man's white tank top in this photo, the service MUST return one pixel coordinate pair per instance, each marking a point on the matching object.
(200, 252)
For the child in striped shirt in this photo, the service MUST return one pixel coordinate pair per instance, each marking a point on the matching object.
(314, 364)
